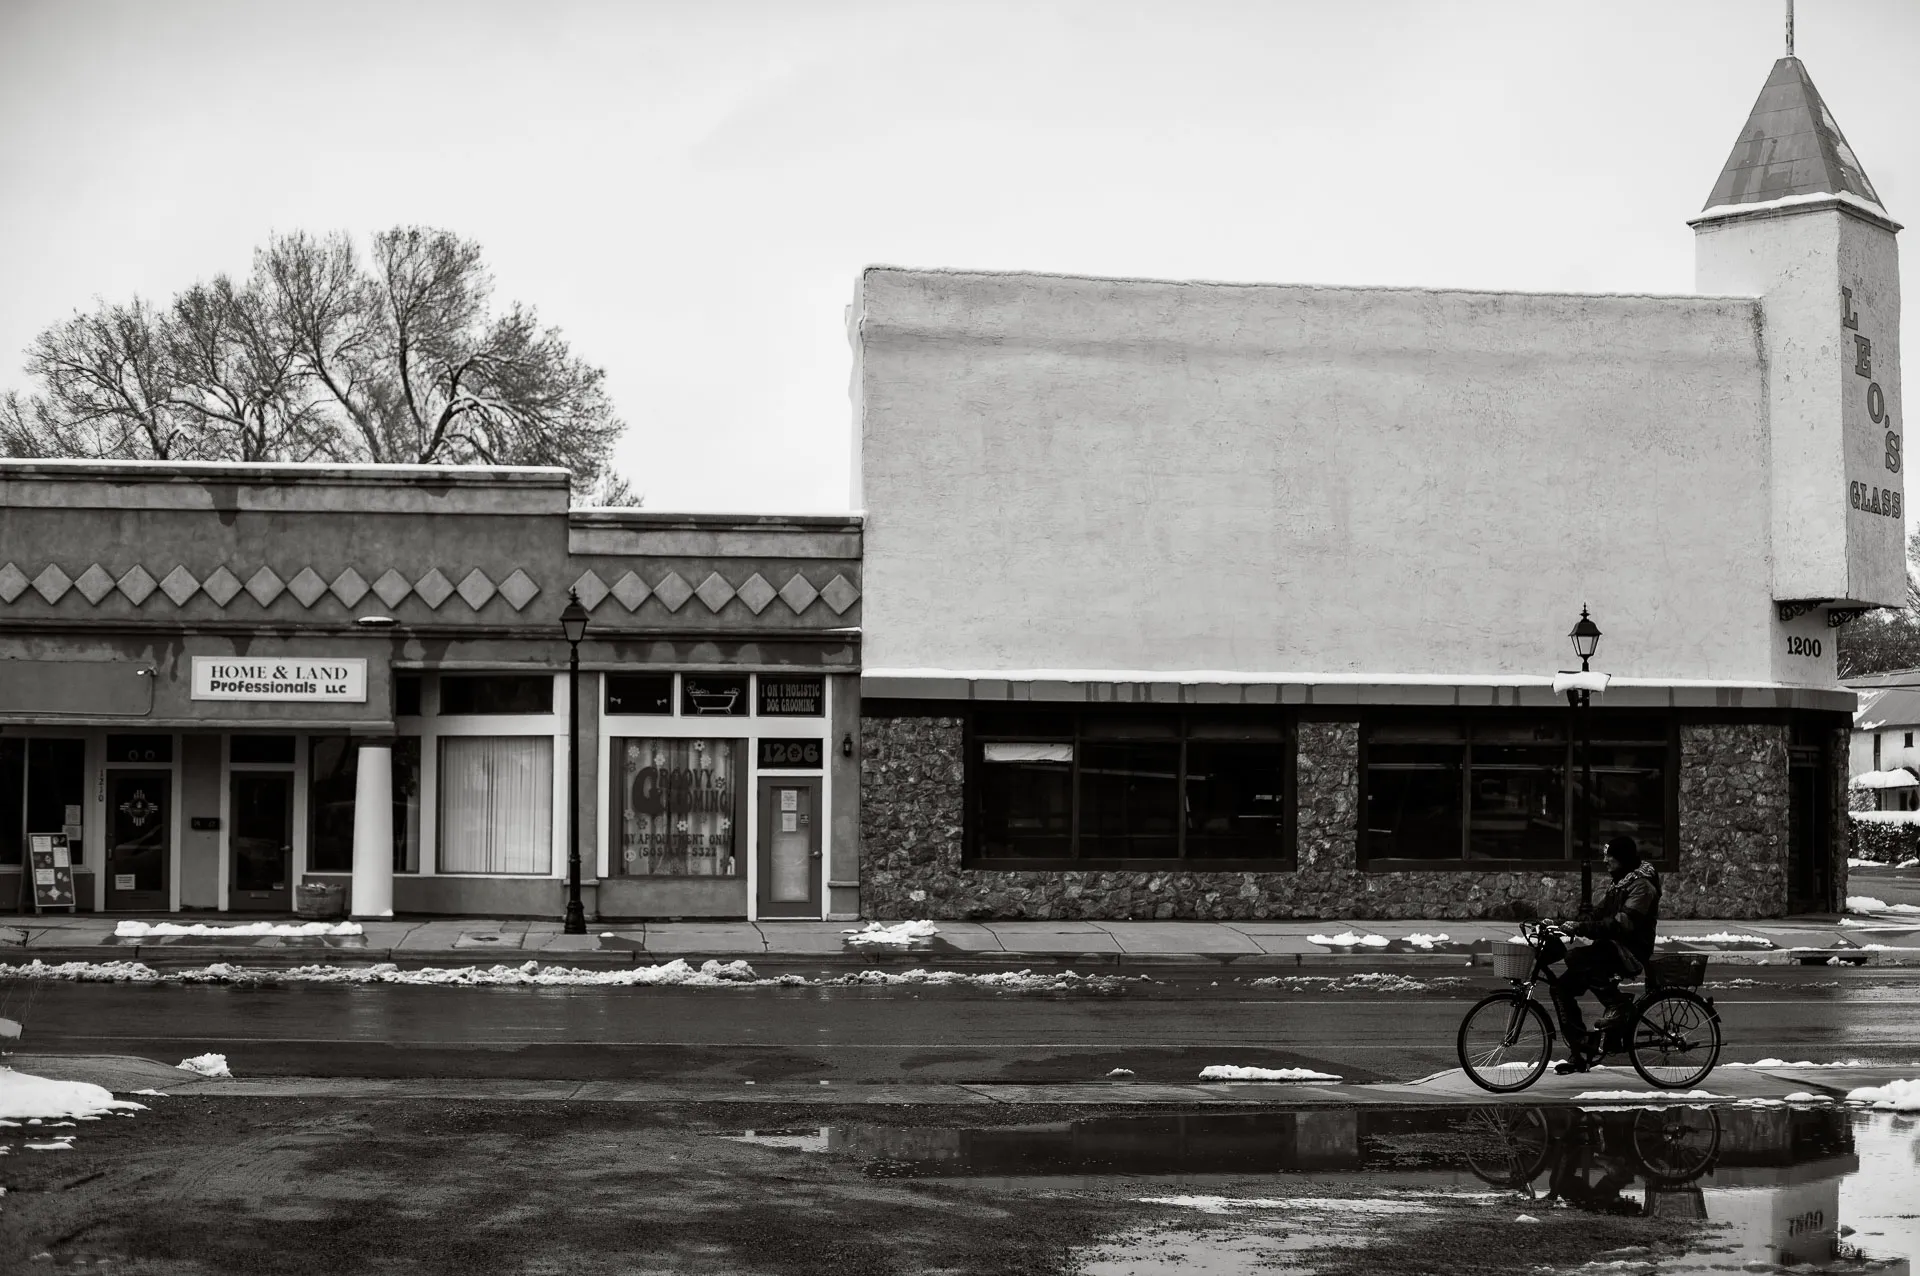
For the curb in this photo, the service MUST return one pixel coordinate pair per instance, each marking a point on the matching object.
(171, 956)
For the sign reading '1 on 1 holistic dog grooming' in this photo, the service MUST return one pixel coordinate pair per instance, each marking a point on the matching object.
(49, 871)
(280, 679)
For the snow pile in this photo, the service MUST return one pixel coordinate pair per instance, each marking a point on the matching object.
(1868, 904)
(24, 1097)
(898, 935)
(1782, 1063)
(1121, 1072)
(1723, 937)
(1806, 1096)
(1894, 1096)
(1428, 941)
(1234, 1072)
(142, 930)
(1525, 1218)
(86, 972)
(1347, 939)
(1666, 1095)
(1912, 863)
(207, 1065)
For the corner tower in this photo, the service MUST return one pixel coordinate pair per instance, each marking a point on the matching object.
(1794, 221)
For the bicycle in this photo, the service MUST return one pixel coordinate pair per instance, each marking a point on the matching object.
(1671, 1033)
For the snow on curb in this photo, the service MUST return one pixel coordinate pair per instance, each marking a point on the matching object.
(1234, 1072)
(25, 1097)
(1345, 1204)
(142, 930)
(1868, 904)
(1347, 939)
(897, 935)
(1894, 1096)
(1668, 1096)
(676, 973)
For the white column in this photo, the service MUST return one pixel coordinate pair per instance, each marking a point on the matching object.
(373, 832)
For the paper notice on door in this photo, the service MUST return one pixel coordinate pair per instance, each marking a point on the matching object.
(123, 881)
(73, 815)
(789, 799)
(73, 832)
(789, 822)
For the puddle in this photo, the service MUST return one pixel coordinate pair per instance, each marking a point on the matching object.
(1808, 1187)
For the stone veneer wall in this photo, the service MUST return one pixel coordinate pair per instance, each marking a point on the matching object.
(1732, 813)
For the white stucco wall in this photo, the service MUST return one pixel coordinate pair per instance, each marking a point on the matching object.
(1828, 450)
(1095, 474)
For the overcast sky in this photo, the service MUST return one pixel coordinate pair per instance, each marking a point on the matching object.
(689, 188)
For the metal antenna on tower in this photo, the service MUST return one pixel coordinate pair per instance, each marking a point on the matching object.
(1789, 28)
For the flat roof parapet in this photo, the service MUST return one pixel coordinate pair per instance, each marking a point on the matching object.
(283, 486)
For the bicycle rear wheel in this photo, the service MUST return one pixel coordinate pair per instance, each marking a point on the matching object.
(1675, 1040)
(1504, 1043)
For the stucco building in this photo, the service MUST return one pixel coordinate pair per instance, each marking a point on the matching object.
(1194, 599)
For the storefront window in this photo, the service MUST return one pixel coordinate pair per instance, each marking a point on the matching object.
(1078, 789)
(13, 799)
(332, 763)
(43, 789)
(677, 807)
(496, 804)
(1506, 789)
(495, 693)
(640, 693)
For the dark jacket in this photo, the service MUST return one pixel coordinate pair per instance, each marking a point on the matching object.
(1627, 913)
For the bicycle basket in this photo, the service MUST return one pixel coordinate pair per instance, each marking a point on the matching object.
(1677, 970)
(1513, 959)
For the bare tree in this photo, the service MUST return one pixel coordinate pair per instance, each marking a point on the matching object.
(1888, 639)
(314, 357)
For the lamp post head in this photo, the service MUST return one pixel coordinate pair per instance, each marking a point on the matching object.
(1586, 638)
(573, 618)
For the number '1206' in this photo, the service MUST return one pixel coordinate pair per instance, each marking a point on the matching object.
(1798, 646)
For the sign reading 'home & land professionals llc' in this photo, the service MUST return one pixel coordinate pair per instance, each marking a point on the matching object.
(342, 681)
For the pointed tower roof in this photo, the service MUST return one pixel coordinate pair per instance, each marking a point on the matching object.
(1791, 147)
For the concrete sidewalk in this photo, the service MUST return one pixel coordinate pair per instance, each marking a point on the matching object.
(126, 1074)
(1887, 939)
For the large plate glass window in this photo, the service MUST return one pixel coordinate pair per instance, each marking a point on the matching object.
(1506, 788)
(496, 804)
(43, 789)
(677, 805)
(1085, 788)
(333, 764)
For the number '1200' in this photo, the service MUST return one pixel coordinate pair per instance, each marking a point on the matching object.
(1798, 646)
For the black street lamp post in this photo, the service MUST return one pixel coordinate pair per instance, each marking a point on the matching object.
(1586, 640)
(573, 622)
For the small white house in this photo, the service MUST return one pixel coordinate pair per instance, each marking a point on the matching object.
(1883, 761)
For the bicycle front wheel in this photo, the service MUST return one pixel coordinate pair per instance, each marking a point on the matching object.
(1504, 1043)
(1675, 1040)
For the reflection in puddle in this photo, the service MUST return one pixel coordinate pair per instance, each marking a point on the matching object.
(1810, 1187)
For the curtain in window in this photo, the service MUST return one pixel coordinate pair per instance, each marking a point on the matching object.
(496, 804)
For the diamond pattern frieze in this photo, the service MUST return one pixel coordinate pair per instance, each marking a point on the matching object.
(476, 589)
(518, 589)
(265, 586)
(590, 589)
(756, 593)
(630, 591)
(392, 587)
(673, 592)
(307, 586)
(94, 584)
(433, 588)
(179, 585)
(715, 592)
(798, 593)
(52, 584)
(13, 583)
(221, 586)
(840, 595)
(137, 584)
(349, 587)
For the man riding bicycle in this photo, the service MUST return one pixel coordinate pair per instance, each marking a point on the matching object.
(1621, 923)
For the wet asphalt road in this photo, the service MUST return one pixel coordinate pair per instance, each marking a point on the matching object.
(1164, 1032)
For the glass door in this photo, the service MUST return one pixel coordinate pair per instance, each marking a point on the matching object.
(139, 839)
(790, 859)
(261, 841)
